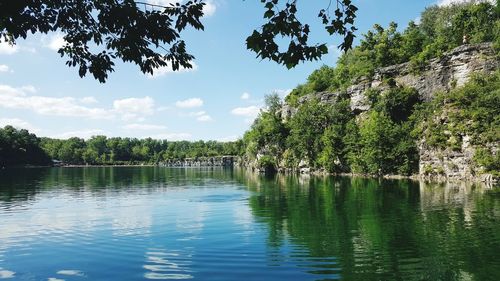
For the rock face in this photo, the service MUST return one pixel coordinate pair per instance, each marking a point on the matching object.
(447, 163)
(453, 69)
(441, 74)
(458, 164)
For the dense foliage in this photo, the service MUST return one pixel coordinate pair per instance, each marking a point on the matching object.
(148, 33)
(327, 136)
(102, 150)
(282, 20)
(383, 140)
(19, 147)
(440, 29)
(99, 32)
(331, 136)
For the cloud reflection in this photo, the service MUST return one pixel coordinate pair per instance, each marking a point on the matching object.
(70, 272)
(163, 265)
(5, 274)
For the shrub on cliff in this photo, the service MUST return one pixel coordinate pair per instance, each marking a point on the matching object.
(441, 29)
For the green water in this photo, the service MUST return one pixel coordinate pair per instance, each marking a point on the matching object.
(140, 223)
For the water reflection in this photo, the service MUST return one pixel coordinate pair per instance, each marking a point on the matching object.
(162, 265)
(6, 274)
(133, 223)
(384, 230)
(70, 272)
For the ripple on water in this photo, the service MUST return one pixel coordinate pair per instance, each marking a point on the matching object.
(166, 276)
(219, 198)
(163, 265)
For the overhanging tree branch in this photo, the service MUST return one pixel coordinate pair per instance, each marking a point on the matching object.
(99, 32)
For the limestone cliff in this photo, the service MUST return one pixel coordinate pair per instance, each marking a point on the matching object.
(451, 70)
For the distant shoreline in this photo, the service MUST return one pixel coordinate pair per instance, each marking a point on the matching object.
(76, 166)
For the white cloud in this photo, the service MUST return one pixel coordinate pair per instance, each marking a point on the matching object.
(282, 93)
(88, 100)
(209, 8)
(84, 134)
(163, 108)
(189, 103)
(24, 98)
(145, 127)
(245, 96)
(133, 108)
(6, 90)
(29, 89)
(204, 118)
(228, 138)
(8, 49)
(249, 111)
(19, 98)
(201, 116)
(198, 113)
(163, 2)
(19, 124)
(162, 71)
(55, 41)
(451, 2)
(4, 68)
(171, 136)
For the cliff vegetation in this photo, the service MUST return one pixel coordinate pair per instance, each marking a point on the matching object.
(395, 103)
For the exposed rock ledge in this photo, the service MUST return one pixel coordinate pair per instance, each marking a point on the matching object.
(441, 74)
(454, 68)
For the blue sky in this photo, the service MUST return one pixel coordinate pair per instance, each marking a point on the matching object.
(217, 99)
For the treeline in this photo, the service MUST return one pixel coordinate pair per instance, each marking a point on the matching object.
(19, 147)
(100, 150)
(441, 29)
(384, 139)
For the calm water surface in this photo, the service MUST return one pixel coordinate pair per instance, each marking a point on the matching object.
(212, 224)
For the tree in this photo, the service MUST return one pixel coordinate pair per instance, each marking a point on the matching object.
(99, 32)
(306, 128)
(284, 22)
(378, 137)
(268, 129)
(19, 147)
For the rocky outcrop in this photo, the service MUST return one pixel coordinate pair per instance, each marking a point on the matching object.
(453, 69)
(447, 164)
(441, 74)
(454, 164)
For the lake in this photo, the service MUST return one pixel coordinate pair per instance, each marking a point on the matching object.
(152, 223)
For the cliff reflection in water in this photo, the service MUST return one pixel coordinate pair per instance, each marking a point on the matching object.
(383, 230)
(221, 224)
